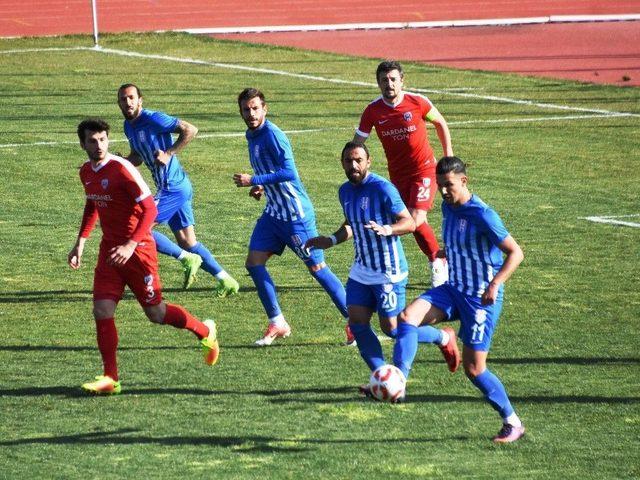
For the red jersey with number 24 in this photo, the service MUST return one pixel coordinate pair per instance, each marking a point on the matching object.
(402, 130)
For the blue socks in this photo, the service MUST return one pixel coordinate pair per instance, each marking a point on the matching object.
(493, 390)
(209, 263)
(429, 334)
(368, 344)
(406, 347)
(332, 285)
(266, 289)
(166, 246)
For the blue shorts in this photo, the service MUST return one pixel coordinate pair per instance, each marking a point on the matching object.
(388, 299)
(271, 235)
(477, 321)
(174, 207)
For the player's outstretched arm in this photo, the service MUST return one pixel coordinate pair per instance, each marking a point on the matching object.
(404, 224)
(514, 257)
(442, 129)
(341, 235)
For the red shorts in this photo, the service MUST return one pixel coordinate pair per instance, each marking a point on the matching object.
(140, 274)
(418, 192)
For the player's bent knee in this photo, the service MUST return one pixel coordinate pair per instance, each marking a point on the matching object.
(155, 313)
(472, 370)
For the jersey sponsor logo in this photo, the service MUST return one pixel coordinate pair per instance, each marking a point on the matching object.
(256, 152)
(408, 116)
(142, 136)
(98, 198)
(104, 183)
(462, 224)
(399, 134)
(364, 203)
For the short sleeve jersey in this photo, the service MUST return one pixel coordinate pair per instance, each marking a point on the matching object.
(403, 134)
(377, 259)
(472, 233)
(150, 132)
(115, 187)
(270, 151)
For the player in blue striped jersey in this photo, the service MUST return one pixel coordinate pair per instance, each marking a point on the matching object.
(288, 218)
(475, 241)
(375, 216)
(151, 142)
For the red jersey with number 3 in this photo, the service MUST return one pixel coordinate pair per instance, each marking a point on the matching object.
(402, 130)
(115, 187)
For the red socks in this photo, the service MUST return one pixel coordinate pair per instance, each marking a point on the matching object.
(427, 240)
(107, 335)
(179, 317)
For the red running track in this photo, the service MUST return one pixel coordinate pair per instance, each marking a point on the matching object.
(606, 52)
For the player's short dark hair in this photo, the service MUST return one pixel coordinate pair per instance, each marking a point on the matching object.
(387, 66)
(92, 125)
(249, 93)
(352, 146)
(451, 164)
(128, 85)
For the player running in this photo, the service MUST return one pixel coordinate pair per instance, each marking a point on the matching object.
(149, 133)
(288, 219)
(375, 217)
(117, 195)
(400, 118)
(475, 239)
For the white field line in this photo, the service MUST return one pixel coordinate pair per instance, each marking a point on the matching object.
(320, 130)
(612, 219)
(481, 22)
(303, 76)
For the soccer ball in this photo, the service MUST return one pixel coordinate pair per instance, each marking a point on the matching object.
(387, 384)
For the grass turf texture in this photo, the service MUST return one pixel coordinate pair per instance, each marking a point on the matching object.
(566, 347)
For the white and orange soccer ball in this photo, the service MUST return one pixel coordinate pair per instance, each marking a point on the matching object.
(387, 384)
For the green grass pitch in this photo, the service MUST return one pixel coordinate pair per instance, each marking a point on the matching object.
(540, 153)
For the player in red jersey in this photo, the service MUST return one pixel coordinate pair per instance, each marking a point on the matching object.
(117, 195)
(400, 118)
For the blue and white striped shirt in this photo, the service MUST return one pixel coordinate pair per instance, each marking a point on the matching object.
(472, 233)
(377, 259)
(274, 168)
(150, 132)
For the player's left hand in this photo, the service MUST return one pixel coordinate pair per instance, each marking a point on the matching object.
(318, 242)
(490, 294)
(256, 192)
(382, 230)
(162, 157)
(242, 179)
(122, 253)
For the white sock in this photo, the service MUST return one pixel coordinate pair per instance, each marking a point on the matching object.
(182, 254)
(221, 275)
(445, 338)
(278, 320)
(513, 420)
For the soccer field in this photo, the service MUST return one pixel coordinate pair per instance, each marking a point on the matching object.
(546, 154)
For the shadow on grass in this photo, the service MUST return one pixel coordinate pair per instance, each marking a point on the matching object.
(46, 296)
(334, 395)
(242, 444)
